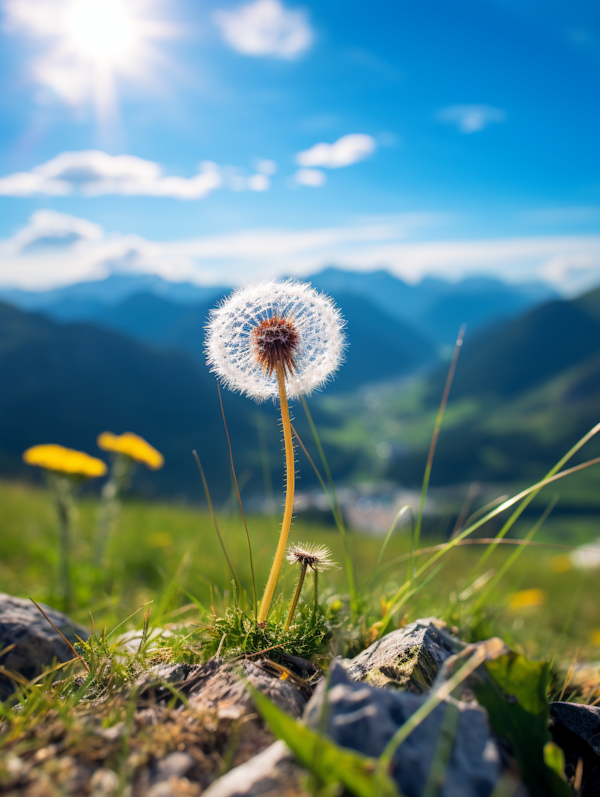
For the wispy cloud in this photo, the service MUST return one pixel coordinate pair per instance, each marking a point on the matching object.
(55, 248)
(472, 118)
(311, 177)
(265, 28)
(48, 229)
(93, 173)
(343, 152)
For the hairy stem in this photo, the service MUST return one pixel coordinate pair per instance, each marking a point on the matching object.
(290, 616)
(289, 497)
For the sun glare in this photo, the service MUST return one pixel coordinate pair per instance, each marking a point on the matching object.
(103, 31)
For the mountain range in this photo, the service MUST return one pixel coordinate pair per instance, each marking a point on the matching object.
(433, 308)
(527, 383)
(524, 392)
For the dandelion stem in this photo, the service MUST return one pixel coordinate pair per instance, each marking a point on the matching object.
(63, 503)
(299, 585)
(290, 476)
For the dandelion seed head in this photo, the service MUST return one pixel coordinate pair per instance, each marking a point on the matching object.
(316, 557)
(258, 326)
(275, 341)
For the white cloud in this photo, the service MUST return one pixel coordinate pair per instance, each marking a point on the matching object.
(266, 166)
(93, 173)
(265, 27)
(312, 177)
(343, 152)
(259, 182)
(48, 229)
(472, 118)
(55, 248)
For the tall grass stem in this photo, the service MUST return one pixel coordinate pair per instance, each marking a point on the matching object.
(436, 432)
(341, 525)
(240, 500)
(516, 514)
(214, 518)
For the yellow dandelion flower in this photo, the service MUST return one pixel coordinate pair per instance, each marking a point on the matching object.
(64, 460)
(561, 563)
(595, 637)
(527, 599)
(131, 445)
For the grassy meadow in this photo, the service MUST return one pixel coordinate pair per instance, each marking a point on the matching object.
(169, 554)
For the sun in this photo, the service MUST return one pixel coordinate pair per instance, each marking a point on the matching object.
(105, 32)
(87, 48)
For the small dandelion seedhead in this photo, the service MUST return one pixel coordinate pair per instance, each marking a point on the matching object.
(287, 323)
(315, 557)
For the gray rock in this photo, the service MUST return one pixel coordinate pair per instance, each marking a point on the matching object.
(409, 658)
(222, 688)
(273, 772)
(576, 729)
(37, 644)
(364, 718)
(168, 773)
(579, 719)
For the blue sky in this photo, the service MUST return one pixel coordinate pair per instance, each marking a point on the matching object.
(229, 141)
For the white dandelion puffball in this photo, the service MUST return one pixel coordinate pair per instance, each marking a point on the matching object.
(262, 325)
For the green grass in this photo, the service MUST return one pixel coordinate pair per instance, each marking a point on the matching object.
(164, 553)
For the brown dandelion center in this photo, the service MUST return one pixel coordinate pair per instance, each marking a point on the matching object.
(307, 558)
(275, 341)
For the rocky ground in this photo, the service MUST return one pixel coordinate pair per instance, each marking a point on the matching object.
(181, 730)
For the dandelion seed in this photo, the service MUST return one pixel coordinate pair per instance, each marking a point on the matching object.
(315, 557)
(276, 339)
(258, 327)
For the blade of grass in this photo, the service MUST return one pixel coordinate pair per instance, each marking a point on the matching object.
(570, 612)
(387, 619)
(171, 590)
(486, 508)
(194, 600)
(485, 541)
(122, 623)
(337, 515)
(214, 518)
(391, 530)
(77, 655)
(241, 507)
(511, 520)
(472, 493)
(341, 526)
(436, 431)
(511, 501)
(505, 505)
(515, 554)
(264, 459)
(443, 750)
